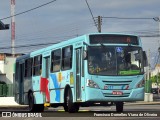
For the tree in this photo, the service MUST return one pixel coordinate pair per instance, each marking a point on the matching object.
(156, 78)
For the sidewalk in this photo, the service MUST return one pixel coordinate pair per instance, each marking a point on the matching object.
(156, 100)
(142, 103)
(7, 101)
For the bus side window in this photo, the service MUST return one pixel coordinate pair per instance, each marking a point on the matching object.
(56, 60)
(67, 57)
(37, 65)
(28, 67)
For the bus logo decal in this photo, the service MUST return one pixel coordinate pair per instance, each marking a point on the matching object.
(110, 87)
(59, 77)
(71, 78)
(125, 87)
(56, 85)
(44, 87)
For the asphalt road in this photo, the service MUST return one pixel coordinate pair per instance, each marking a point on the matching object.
(133, 111)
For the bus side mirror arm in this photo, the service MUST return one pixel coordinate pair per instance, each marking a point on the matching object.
(84, 43)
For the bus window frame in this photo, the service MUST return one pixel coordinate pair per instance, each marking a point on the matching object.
(38, 66)
(59, 60)
(28, 68)
(70, 58)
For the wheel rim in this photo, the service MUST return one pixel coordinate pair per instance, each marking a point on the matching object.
(67, 99)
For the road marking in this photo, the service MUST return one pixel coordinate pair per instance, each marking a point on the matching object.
(79, 110)
(60, 110)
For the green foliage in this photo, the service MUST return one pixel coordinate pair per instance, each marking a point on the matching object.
(155, 78)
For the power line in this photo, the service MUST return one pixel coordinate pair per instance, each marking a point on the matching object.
(149, 35)
(58, 31)
(34, 45)
(41, 44)
(127, 18)
(29, 10)
(29, 45)
(91, 14)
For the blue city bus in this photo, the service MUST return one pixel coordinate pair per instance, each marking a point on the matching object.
(93, 69)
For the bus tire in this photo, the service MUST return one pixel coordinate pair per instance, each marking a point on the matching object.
(65, 106)
(32, 106)
(72, 107)
(39, 107)
(119, 106)
(65, 101)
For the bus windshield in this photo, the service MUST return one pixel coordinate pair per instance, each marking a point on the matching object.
(115, 60)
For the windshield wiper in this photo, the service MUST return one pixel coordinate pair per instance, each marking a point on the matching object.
(102, 45)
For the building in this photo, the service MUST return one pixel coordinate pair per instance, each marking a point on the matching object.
(3, 26)
(156, 70)
(7, 66)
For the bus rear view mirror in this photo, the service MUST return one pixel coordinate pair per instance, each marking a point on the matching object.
(137, 56)
(85, 55)
(145, 61)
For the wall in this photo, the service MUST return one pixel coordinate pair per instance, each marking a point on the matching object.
(1, 67)
(9, 68)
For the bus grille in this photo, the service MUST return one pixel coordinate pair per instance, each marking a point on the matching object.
(111, 95)
(117, 85)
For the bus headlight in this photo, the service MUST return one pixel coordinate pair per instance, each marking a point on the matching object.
(140, 84)
(92, 84)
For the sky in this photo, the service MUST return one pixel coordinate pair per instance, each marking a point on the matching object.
(65, 19)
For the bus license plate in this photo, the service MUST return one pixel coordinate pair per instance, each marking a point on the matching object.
(117, 93)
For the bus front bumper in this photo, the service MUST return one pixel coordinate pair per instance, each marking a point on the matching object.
(107, 95)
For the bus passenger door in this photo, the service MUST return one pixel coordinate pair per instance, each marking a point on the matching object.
(21, 84)
(78, 73)
(46, 75)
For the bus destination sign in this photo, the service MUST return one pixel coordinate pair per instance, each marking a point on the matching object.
(113, 39)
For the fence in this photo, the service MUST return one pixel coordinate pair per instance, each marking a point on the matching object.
(6, 90)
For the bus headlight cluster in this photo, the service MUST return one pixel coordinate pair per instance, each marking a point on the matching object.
(141, 84)
(92, 84)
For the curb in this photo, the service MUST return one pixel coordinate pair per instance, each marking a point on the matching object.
(17, 107)
(142, 103)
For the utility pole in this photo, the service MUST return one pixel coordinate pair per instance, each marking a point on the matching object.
(158, 66)
(157, 19)
(13, 27)
(148, 94)
(148, 76)
(99, 23)
(159, 26)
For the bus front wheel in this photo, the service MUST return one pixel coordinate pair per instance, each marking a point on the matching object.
(119, 106)
(69, 105)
